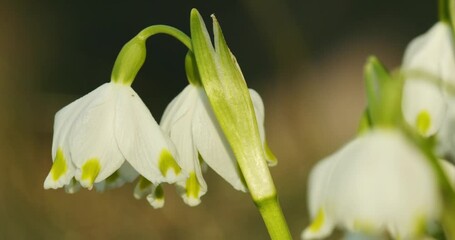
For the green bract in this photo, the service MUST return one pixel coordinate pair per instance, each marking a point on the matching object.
(231, 102)
(383, 94)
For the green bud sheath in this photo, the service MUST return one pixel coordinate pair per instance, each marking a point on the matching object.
(231, 102)
(129, 61)
(383, 94)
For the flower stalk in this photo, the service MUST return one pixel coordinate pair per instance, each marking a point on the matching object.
(443, 10)
(231, 102)
(132, 55)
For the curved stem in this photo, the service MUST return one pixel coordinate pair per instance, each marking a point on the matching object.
(132, 56)
(164, 29)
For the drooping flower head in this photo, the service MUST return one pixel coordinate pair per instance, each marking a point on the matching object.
(378, 182)
(429, 67)
(94, 135)
(383, 181)
(191, 125)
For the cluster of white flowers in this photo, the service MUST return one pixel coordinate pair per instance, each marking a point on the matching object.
(381, 182)
(109, 137)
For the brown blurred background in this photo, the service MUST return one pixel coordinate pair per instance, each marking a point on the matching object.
(304, 57)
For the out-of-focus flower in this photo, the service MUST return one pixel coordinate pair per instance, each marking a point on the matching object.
(191, 125)
(379, 182)
(429, 66)
(96, 133)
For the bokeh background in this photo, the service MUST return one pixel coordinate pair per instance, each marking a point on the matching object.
(304, 57)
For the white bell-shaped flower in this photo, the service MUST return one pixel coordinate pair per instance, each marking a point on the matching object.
(379, 182)
(428, 64)
(125, 174)
(191, 125)
(96, 133)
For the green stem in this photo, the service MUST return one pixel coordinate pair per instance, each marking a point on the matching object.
(443, 11)
(446, 189)
(452, 15)
(448, 220)
(164, 29)
(132, 56)
(273, 218)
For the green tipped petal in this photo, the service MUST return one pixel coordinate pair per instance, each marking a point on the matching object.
(190, 190)
(90, 171)
(192, 186)
(318, 221)
(423, 122)
(156, 197)
(59, 167)
(271, 158)
(167, 163)
(143, 188)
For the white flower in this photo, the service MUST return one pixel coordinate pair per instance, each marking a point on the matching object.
(125, 174)
(96, 133)
(428, 64)
(378, 182)
(190, 123)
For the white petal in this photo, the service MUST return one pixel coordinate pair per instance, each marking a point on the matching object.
(92, 142)
(360, 236)
(212, 144)
(174, 109)
(423, 106)
(156, 197)
(177, 122)
(430, 59)
(73, 186)
(154, 193)
(143, 188)
(318, 183)
(141, 140)
(64, 120)
(382, 181)
(322, 224)
(125, 174)
(433, 53)
(260, 118)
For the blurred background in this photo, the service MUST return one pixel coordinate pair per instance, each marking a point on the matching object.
(304, 57)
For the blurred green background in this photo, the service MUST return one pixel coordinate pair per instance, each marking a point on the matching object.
(304, 57)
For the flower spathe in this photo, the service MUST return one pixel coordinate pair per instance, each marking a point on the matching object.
(191, 125)
(428, 65)
(379, 182)
(94, 135)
